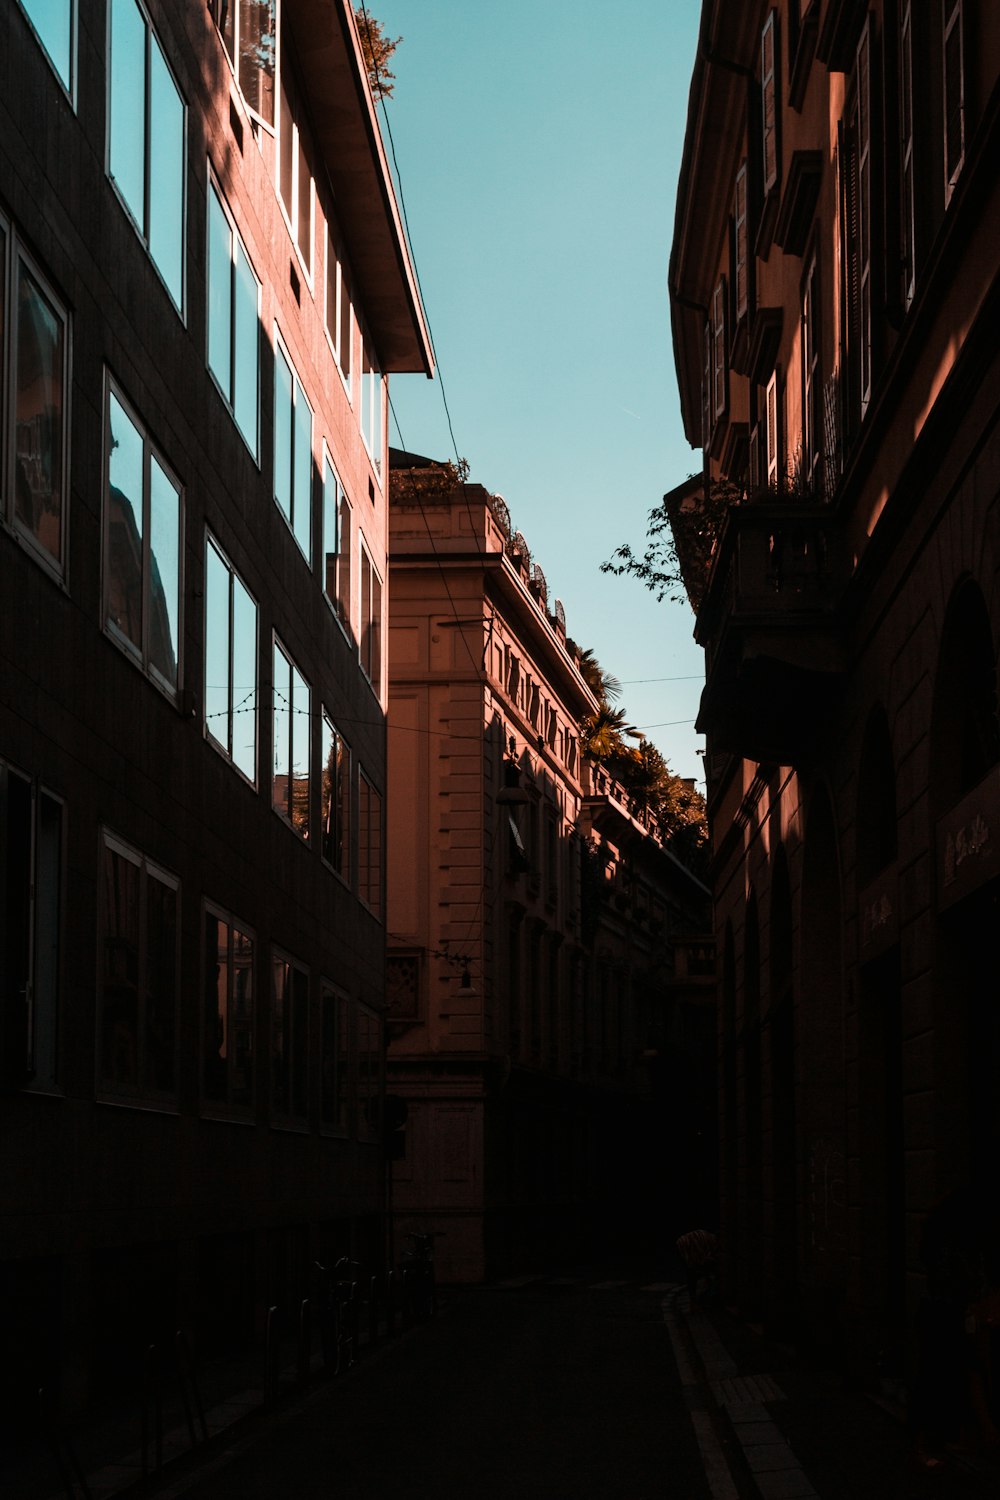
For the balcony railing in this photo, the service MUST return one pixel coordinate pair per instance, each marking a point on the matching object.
(772, 630)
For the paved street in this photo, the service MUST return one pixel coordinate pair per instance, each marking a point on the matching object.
(566, 1389)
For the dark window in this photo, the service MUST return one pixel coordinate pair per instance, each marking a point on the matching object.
(31, 870)
(289, 1040)
(336, 800)
(228, 1057)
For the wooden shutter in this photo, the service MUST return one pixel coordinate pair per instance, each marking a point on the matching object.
(864, 216)
(740, 243)
(771, 420)
(769, 100)
(719, 371)
(954, 93)
(908, 235)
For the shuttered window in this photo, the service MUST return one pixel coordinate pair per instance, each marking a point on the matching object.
(954, 94)
(907, 205)
(769, 100)
(719, 370)
(772, 432)
(740, 243)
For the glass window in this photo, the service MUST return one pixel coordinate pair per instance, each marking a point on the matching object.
(369, 845)
(230, 663)
(137, 1028)
(371, 621)
(146, 145)
(338, 309)
(290, 779)
(371, 407)
(295, 179)
(31, 860)
(336, 801)
(336, 544)
(369, 1093)
(142, 547)
(289, 1040)
(40, 383)
(292, 450)
(227, 1058)
(252, 22)
(233, 313)
(334, 1092)
(54, 23)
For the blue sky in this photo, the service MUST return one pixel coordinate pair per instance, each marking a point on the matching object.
(538, 147)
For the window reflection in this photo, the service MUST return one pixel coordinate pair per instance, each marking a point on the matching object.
(146, 146)
(53, 21)
(336, 544)
(292, 451)
(38, 405)
(230, 662)
(233, 310)
(336, 804)
(125, 509)
(227, 1068)
(290, 776)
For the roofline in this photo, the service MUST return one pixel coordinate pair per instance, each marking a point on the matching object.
(345, 126)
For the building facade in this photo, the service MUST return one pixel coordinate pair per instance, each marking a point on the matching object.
(529, 909)
(203, 286)
(834, 294)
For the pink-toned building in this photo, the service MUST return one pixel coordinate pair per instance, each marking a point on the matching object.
(525, 934)
(834, 292)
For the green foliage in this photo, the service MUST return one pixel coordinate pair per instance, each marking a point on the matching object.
(377, 49)
(681, 534)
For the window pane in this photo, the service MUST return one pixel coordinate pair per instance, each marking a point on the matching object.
(53, 20)
(301, 733)
(286, 150)
(220, 294)
(38, 447)
(344, 344)
(376, 633)
(164, 565)
(246, 377)
(257, 56)
(127, 104)
(216, 1009)
(280, 1000)
(331, 290)
(166, 174)
(344, 799)
(330, 521)
(366, 616)
(217, 718)
(332, 808)
(119, 1036)
(302, 513)
(300, 1025)
(244, 737)
(344, 566)
(280, 787)
(304, 227)
(241, 1021)
(161, 986)
(283, 434)
(125, 524)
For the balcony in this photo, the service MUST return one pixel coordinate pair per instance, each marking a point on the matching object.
(771, 625)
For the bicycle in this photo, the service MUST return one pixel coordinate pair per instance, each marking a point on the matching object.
(338, 1314)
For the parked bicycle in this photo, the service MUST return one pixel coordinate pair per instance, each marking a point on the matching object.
(338, 1314)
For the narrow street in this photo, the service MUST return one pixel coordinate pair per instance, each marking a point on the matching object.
(565, 1389)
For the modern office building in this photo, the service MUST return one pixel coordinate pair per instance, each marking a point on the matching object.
(204, 285)
(834, 295)
(531, 910)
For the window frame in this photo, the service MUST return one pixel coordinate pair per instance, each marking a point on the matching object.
(281, 351)
(952, 20)
(225, 749)
(285, 812)
(68, 88)
(40, 1031)
(364, 844)
(226, 1109)
(342, 291)
(291, 1119)
(162, 1101)
(370, 627)
(258, 119)
(339, 1127)
(140, 655)
(772, 432)
(371, 382)
(770, 97)
(344, 801)
(340, 607)
(810, 345)
(907, 183)
(13, 258)
(142, 230)
(292, 213)
(236, 243)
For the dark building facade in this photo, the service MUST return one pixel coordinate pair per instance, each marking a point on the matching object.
(834, 298)
(203, 286)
